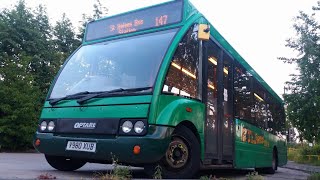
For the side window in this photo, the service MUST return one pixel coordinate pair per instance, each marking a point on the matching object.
(242, 94)
(259, 108)
(276, 116)
(182, 77)
(271, 114)
(281, 122)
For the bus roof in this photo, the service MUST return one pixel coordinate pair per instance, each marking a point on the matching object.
(140, 21)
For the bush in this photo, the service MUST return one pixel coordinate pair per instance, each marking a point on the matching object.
(19, 109)
(305, 155)
(315, 176)
(314, 150)
(292, 153)
(254, 176)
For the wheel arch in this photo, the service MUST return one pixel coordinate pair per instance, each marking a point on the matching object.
(192, 127)
(183, 111)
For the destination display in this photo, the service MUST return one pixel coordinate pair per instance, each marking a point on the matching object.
(157, 16)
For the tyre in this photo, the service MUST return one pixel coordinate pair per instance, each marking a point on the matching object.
(182, 158)
(63, 163)
(274, 167)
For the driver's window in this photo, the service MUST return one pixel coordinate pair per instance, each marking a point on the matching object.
(182, 77)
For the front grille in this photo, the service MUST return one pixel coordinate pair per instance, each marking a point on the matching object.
(87, 126)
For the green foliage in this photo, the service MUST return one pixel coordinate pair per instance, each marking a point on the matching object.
(292, 154)
(19, 105)
(206, 177)
(122, 173)
(315, 176)
(27, 33)
(24, 78)
(212, 178)
(307, 150)
(99, 11)
(158, 173)
(118, 172)
(304, 88)
(305, 155)
(31, 53)
(65, 41)
(254, 176)
(295, 145)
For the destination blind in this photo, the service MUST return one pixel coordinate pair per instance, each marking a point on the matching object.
(157, 16)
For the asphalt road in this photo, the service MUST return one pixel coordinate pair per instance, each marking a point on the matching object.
(33, 165)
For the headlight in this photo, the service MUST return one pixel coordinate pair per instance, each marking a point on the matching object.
(51, 126)
(138, 127)
(127, 126)
(43, 126)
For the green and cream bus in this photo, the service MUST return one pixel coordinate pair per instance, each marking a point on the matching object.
(160, 86)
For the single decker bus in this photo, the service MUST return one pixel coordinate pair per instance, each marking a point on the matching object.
(160, 86)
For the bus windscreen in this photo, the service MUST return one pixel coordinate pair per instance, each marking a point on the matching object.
(157, 16)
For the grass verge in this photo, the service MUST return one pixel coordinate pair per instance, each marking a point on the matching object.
(315, 176)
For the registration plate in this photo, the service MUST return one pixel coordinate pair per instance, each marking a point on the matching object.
(81, 146)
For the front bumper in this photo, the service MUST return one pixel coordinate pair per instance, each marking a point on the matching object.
(153, 146)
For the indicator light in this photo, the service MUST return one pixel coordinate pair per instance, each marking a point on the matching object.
(136, 150)
(37, 142)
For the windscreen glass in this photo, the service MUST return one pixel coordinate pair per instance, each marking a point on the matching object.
(127, 63)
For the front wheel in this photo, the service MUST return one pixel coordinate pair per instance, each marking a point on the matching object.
(182, 158)
(63, 163)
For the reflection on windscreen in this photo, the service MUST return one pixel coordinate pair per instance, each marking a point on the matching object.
(127, 63)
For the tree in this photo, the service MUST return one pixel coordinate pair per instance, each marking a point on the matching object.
(25, 72)
(29, 33)
(65, 41)
(31, 53)
(19, 105)
(99, 11)
(303, 101)
(43, 59)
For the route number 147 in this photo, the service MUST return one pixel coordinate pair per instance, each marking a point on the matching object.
(161, 20)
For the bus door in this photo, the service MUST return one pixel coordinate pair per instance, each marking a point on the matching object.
(211, 140)
(219, 101)
(227, 108)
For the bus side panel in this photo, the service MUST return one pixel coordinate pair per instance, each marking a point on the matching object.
(282, 152)
(172, 110)
(281, 146)
(253, 147)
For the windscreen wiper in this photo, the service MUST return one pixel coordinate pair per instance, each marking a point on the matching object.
(104, 93)
(55, 101)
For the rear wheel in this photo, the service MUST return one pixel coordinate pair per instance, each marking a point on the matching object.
(63, 163)
(182, 158)
(274, 167)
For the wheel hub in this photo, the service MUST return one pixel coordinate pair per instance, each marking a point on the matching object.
(177, 153)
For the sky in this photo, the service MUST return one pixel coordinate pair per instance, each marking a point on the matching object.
(257, 29)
